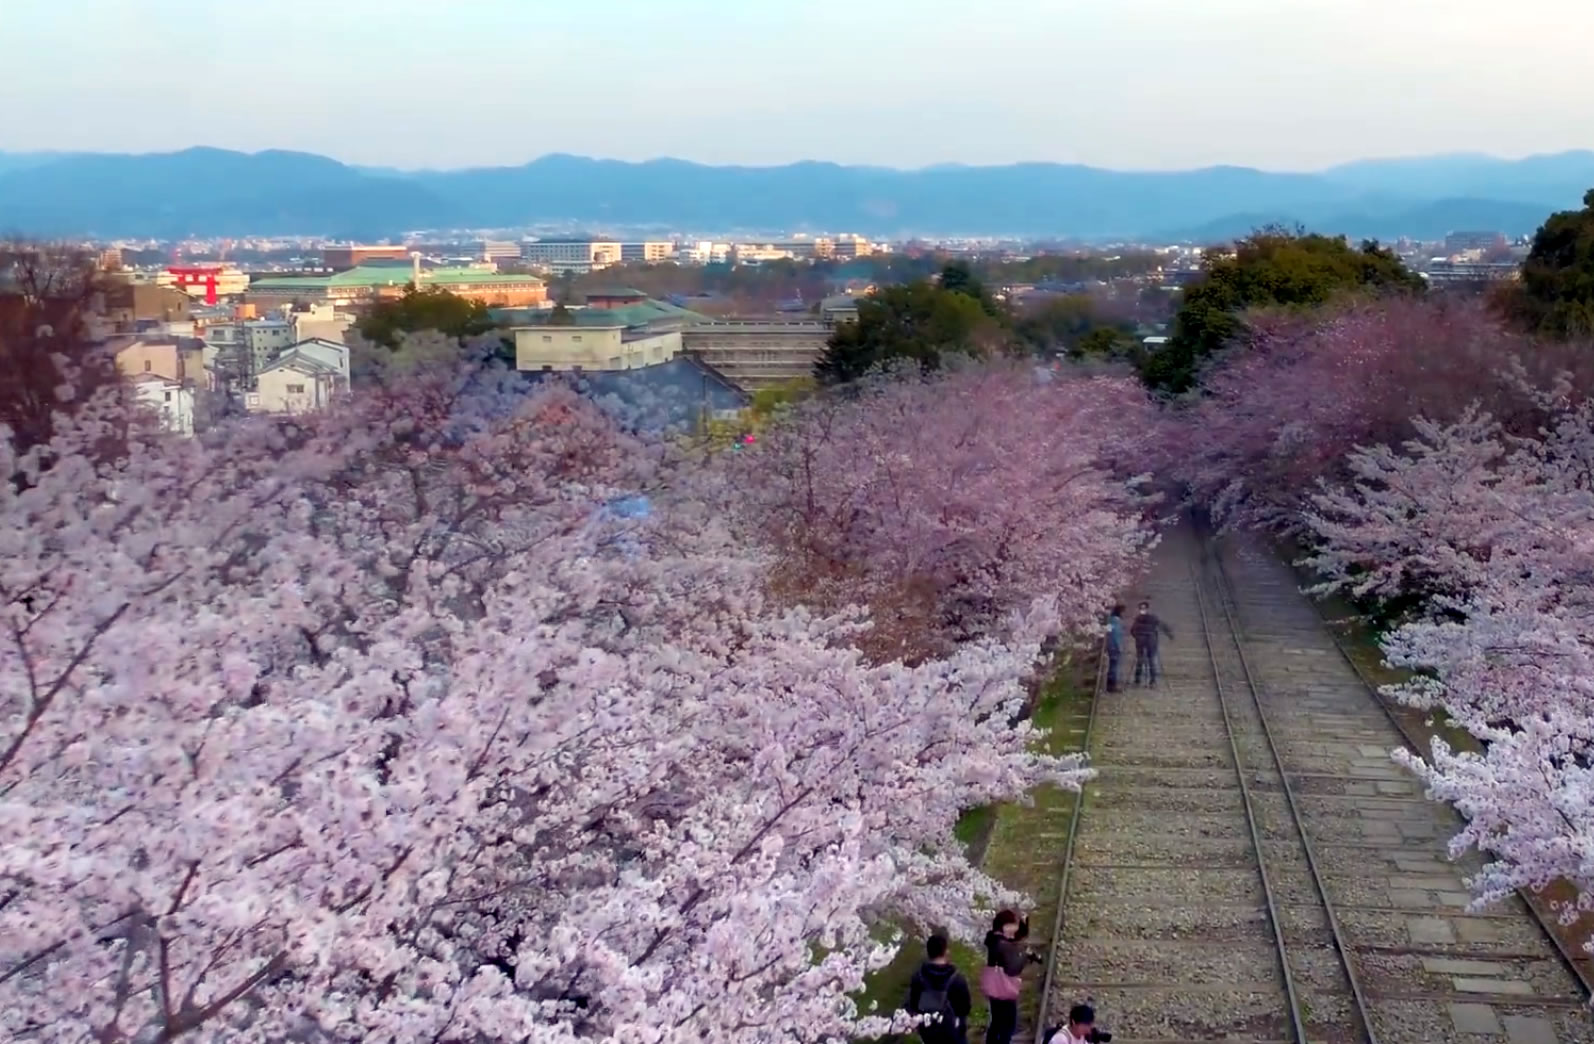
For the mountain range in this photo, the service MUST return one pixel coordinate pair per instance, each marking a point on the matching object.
(217, 192)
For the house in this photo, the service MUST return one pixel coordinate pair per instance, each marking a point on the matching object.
(319, 320)
(178, 359)
(331, 353)
(169, 400)
(305, 377)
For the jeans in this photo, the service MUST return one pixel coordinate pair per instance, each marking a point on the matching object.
(1113, 656)
(1147, 663)
(1004, 1022)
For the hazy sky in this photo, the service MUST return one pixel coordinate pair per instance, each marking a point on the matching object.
(1285, 84)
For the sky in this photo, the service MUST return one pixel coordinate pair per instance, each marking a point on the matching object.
(1130, 84)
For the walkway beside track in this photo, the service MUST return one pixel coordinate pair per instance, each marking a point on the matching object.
(1303, 894)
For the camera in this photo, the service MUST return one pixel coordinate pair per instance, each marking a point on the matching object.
(1034, 958)
(1099, 1036)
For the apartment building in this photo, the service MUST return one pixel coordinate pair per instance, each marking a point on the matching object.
(755, 353)
(350, 255)
(759, 253)
(759, 351)
(499, 250)
(571, 255)
(649, 252)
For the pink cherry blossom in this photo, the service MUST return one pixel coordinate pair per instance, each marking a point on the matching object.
(990, 500)
(1497, 531)
(382, 725)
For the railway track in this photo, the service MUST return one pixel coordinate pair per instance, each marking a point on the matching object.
(1250, 865)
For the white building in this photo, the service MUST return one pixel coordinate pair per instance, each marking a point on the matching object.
(758, 253)
(169, 400)
(320, 321)
(646, 252)
(305, 377)
(571, 255)
(704, 252)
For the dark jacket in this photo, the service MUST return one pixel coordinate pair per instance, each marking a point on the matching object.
(941, 977)
(1004, 953)
(1146, 628)
(1115, 634)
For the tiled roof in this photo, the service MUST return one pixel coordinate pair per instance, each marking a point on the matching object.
(665, 395)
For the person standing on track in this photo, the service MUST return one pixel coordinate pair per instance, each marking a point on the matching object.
(1115, 645)
(1147, 630)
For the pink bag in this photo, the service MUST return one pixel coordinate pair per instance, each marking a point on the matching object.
(996, 984)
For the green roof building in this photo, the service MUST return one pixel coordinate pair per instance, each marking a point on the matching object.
(375, 282)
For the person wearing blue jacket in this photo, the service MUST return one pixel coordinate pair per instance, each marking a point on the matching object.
(1115, 645)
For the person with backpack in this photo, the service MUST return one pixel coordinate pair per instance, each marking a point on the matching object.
(1005, 959)
(938, 989)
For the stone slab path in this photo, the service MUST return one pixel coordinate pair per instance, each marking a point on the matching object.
(1182, 851)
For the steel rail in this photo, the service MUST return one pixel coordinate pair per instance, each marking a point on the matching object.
(1297, 1020)
(1226, 599)
(1043, 1009)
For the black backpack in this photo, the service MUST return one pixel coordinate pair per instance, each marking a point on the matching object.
(933, 1001)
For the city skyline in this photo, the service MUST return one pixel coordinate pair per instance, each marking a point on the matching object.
(1150, 85)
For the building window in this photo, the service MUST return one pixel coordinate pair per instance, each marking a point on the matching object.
(146, 365)
(168, 396)
(575, 337)
(547, 338)
(295, 389)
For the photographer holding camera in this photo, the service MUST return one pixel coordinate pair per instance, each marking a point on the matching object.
(1081, 1028)
(1005, 958)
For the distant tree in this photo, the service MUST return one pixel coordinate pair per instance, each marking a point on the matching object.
(1556, 294)
(1273, 266)
(1065, 323)
(429, 308)
(48, 297)
(958, 278)
(1105, 342)
(917, 322)
(560, 316)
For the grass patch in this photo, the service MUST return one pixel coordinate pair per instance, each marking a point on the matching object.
(1021, 846)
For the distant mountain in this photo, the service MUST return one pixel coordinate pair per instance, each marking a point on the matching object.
(23, 160)
(1427, 221)
(204, 191)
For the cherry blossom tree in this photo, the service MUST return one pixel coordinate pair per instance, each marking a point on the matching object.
(381, 725)
(1273, 420)
(1498, 530)
(988, 500)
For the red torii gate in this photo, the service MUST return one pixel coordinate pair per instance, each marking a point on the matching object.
(197, 275)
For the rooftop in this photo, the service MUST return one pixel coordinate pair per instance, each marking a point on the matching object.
(640, 314)
(665, 395)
